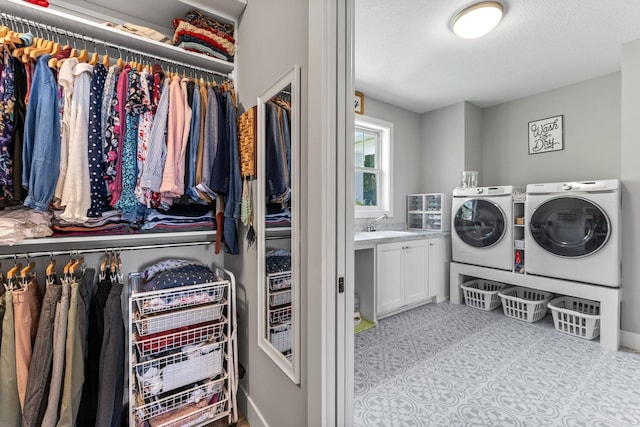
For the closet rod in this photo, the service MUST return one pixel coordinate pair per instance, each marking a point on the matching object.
(88, 251)
(96, 42)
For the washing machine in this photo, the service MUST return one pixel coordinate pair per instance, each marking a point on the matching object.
(573, 231)
(481, 230)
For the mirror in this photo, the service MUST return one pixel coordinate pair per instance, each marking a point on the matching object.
(277, 222)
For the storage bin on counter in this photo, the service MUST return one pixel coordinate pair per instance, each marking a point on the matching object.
(576, 316)
(529, 305)
(482, 294)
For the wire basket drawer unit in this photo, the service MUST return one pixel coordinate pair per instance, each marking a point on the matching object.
(180, 369)
(204, 401)
(180, 355)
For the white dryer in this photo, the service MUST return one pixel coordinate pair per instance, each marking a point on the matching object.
(481, 230)
(573, 231)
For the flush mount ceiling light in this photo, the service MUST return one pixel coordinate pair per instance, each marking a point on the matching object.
(477, 20)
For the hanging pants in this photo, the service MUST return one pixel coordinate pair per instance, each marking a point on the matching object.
(10, 413)
(35, 402)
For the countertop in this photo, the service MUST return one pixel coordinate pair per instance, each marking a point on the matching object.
(369, 239)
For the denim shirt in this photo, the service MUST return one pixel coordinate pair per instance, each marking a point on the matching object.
(41, 155)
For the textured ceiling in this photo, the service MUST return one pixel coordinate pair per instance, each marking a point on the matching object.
(406, 54)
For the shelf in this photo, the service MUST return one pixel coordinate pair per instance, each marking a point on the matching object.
(84, 25)
(228, 9)
(106, 242)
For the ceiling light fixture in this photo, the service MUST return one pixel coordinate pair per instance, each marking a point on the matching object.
(477, 20)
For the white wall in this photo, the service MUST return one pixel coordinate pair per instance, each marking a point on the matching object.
(264, 30)
(630, 174)
(406, 165)
(443, 148)
(591, 112)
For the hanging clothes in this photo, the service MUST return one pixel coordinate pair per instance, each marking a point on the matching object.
(9, 398)
(98, 192)
(76, 193)
(19, 112)
(41, 153)
(35, 403)
(26, 309)
(7, 101)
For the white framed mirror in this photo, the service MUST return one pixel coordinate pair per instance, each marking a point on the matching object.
(277, 222)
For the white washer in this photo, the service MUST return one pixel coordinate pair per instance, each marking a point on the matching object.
(573, 231)
(481, 230)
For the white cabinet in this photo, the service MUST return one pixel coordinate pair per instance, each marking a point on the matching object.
(430, 212)
(409, 273)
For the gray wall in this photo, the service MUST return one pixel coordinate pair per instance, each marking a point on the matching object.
(473, 117)
(591, 112)
(630, 174)
(443, 150)
(261, 60)
(406, 165)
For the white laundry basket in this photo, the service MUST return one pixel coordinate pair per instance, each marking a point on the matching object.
(576, 316)
(525, 304)
(482, 294)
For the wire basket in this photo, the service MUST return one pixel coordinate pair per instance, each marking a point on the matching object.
(180, 369)
(482, 294)
(279, 298)
(529, 305)
(280, 337)
(150, 345)
(280, 315)
(576, 316)
(178, 319)
(280, 280)
(182, 297)
(197, 398)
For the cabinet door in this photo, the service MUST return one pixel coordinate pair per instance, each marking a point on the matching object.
(389, 292)
(414, 267)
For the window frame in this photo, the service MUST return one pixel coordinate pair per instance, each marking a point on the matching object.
(383, 169)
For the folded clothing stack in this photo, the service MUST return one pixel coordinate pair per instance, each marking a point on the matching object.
(206, 35)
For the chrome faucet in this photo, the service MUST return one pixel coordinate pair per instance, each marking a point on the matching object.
(372, 225)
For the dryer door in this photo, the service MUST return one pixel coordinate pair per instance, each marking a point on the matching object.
(480, 223)
(570, 226)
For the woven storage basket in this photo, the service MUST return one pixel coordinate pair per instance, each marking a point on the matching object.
(525, 304)
(576, 316)
(482, 294)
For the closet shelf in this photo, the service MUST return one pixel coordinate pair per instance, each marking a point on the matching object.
(86, 27)
(228, 9)
(106, 242)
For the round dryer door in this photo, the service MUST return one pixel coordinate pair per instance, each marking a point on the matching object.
(479, 223)
(570, 226)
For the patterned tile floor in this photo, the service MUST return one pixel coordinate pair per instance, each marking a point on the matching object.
(452, 365)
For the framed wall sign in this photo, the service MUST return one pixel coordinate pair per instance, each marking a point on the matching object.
(545, 135)
(359, 103)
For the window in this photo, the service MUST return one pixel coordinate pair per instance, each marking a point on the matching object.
(372, 172)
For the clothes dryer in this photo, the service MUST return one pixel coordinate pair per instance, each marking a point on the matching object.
(573, 231)
(481, 230)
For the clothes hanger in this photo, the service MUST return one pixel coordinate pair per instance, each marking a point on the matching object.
(51, 268)
(68, 265)
(78, 267)
(94, 59)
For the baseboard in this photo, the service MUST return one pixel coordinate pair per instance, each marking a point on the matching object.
(630, 340)
(253, 414)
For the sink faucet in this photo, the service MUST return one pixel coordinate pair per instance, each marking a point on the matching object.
(372, 225)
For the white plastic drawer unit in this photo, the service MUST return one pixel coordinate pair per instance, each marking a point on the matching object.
(430, 211)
